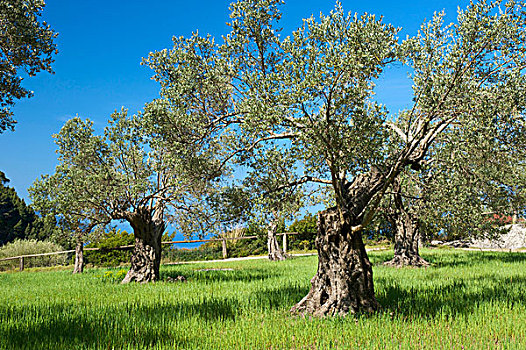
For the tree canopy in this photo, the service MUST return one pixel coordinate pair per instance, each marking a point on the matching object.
(26, 43)
(18, 220)
(312, 95)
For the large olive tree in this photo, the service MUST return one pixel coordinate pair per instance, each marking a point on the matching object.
(311, 94)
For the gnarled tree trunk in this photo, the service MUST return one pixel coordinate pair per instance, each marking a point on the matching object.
(274, 251)
(407, 239)
(344, 281)
(79, 257)
(407, 235)
(146, 256)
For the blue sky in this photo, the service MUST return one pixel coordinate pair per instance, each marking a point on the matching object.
(98, 69)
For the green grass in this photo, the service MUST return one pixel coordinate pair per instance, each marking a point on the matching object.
(471, 300)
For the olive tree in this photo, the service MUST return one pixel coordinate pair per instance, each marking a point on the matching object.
(471, 173)
(26, 44)
(311, 95)
(123, 175)
(56, 195)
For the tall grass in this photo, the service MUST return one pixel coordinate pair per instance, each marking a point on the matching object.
(470, 300)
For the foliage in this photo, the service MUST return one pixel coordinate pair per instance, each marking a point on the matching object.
(470, 299)
(19, 221)
(26, 44)
(124, 174)
(469, 77)
(110, 239)
(307, 227)
(31, 246)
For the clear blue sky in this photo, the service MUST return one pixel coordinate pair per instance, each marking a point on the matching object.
(98, 69)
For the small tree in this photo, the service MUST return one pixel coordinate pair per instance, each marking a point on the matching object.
(25, 43)
(59, 195)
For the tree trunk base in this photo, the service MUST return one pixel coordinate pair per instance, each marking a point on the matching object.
(344, 281)
(407, 261)
(145, 263)
(79, 258)
(280, 256)
(274, 251)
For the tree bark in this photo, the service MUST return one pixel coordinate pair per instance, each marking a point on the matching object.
(407, 239)
(344, 281)
(146, 256)
(79, 257)
(274, 251)
(407, 234)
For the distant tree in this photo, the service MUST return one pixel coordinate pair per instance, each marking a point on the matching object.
(273, 202)
(26, 44)
(17, 220)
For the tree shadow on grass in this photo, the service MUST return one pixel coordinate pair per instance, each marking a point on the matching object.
(458, 297)
(437, 258)
(470, 258)
(213, 276)
(65, 327)
(278, 298)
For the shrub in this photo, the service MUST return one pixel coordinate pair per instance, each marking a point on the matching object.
(106, 257)
(304, 245)
(203, 252)
(28, 247)
(307, 229)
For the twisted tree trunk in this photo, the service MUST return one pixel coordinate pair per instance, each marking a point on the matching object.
(344, 281)
(146, 257)
(79, 257)
(407, 235)
(274, 251)
(407, 238)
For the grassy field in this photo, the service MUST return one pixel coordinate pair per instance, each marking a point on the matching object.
(467, 300)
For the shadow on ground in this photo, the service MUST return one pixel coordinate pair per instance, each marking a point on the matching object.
(69, 326)
(457, 297)
(213, 276)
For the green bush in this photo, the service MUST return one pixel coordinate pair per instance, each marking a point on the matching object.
(106, 257)
(28, 247)
(203, 252)
(307, 229)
